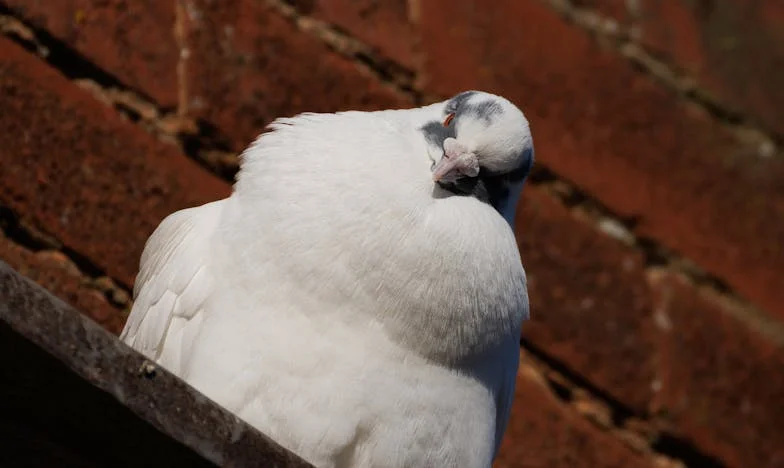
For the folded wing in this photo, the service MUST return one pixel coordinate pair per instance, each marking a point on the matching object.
(174, 282)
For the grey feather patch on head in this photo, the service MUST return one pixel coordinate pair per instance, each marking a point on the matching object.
(488, 111)
(436, 133)
(494, 188)
(456, 102)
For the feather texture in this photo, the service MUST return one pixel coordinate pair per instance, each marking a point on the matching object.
(339, 300)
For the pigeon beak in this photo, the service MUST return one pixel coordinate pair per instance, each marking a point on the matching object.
(455, 163)
(449, 169)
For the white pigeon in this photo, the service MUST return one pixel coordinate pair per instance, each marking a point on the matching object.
(359, 297)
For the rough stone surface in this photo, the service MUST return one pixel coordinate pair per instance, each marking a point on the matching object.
(52, 417)
(97, 183)
(132, 39)
(722, 384)
(544, 431)
(154, 395)
(385, 26)
(250, 65)
(620, 137)
(579, 315)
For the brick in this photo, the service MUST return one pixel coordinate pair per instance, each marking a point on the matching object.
(619, 10)
(734, 49)
(97, 183)
(543, 431)
(722, 383)
(657, 347)
(617, 135)
(52, 270)
(385, 26)
(131, 40)
(250, 65)
(579, 314)
(681, 41)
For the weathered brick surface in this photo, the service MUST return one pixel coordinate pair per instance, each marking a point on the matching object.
(657, 346)
(53, 271)
(544, 432)
(734, 49)
(131, 39)
(96, 182)
(618, 10)
(722, 384)
(384, 25)
(621, 137)
(249, 65)
(579, 314)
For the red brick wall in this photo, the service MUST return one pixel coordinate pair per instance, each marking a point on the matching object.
(652, 231)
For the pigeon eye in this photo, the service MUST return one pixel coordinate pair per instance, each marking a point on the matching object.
(448, 119)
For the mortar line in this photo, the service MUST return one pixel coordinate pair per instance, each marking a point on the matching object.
(642, 434)
(742, 126)
(181, 39)
(33, 240)
(657, 256)
(395, 76)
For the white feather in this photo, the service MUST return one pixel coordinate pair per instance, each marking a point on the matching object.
(172, 285)
(340, 301)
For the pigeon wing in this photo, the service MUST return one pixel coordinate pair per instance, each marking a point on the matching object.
(174, 282)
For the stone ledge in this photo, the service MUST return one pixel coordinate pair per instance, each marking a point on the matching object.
(72, 392)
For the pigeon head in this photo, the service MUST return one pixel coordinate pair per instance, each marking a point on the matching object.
(481, 145)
